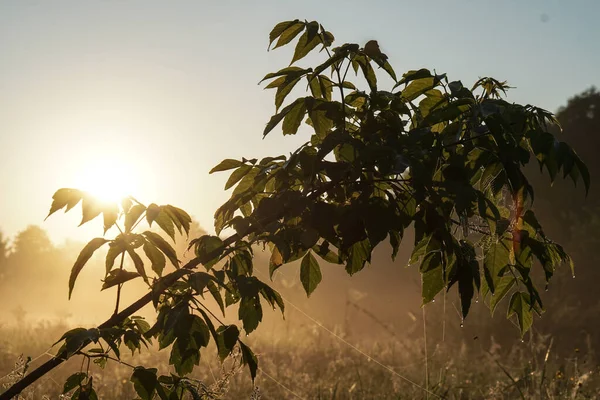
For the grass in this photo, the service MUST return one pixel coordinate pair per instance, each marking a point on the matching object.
(314, 363)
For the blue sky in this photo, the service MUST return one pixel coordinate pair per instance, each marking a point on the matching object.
(168, 89)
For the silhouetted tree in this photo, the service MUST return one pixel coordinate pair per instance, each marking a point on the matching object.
(32, 240)
(3, 255)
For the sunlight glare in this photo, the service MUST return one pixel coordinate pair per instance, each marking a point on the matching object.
(107, 179)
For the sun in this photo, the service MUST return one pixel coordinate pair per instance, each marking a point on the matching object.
(107, 179)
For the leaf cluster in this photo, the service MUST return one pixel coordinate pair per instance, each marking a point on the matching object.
(427, 154)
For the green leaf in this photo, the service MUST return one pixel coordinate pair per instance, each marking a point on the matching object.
(183, 357)
(156, 257)
(165, 247)
(280, 28)
(431, 261)
(432, 280)
(249, 359)
(214, 291)
(133, 215)
(250, 312)
(227, 337)
(137, 262)
(305, 45)
(248, 183)
(520, 304)
(284, 89)
(276, 119)
(502, 288)
(294, 118)
(83, 258)
(315, 87)
(368, 71)
(151, 213)
(238, 174)
(310, 273)
(64, 197)
(145, 382)
(272, 297)
(495, 259)
(226, 165)
(285, 74)
(338, 56)
(358, 255)
(326, 254)
(165, 222)
(115, 248)
(320, 122)
(118, 276)
(208, 248)
(468, 276)
(417, 88)
(199, 280)
(74, 381)
(289, 34)
(179, 217)
(413, 75)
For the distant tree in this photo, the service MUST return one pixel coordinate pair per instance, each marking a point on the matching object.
(3, 255)
(428, 154)
(580, 122)
(575, 220)
(31, 242)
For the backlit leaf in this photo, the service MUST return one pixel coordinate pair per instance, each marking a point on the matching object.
(305, 45)
(110, 213)
(280, 28)
(276, 119)
(227, 337)
(133, 215)
(65, 197)
(83, 258)
(156, 257)
(145, 382)
(91, 208)
(115, 248)
(137, 262)
(118, 276)
(520, 304)
(226, 165)
(165, 247)
(417, 88)
(74, 381)
(502, 288)
(238, 174)
(289, 34)
(310, 273)
(293, 119)
(249, 359)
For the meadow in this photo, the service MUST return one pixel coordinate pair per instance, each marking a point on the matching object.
(309, 360)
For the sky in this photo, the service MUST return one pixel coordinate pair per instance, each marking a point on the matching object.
(158, 92)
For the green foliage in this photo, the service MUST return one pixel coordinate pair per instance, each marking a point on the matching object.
(428, 154)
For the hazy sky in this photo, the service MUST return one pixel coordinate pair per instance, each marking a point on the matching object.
(166, 89)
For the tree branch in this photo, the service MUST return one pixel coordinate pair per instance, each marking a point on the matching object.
(164, 283)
